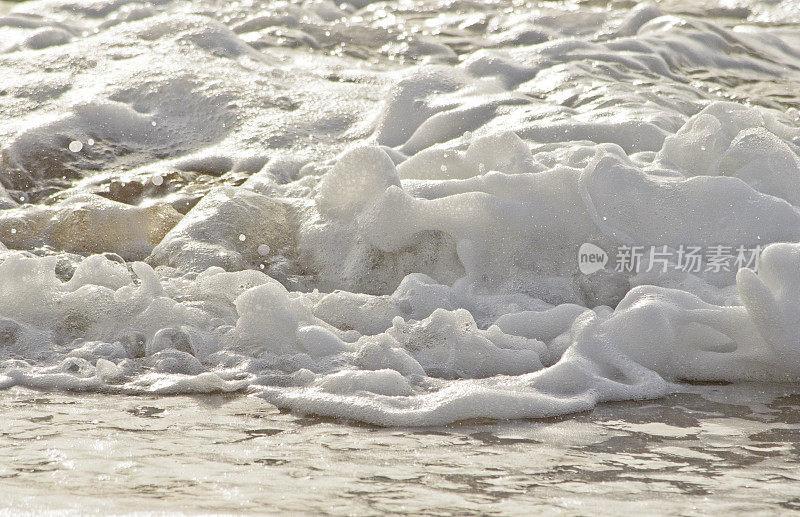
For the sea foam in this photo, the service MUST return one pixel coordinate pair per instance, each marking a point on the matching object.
(378, 219)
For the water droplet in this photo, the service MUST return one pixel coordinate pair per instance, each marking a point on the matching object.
(263, 250)
(157, 180)
(90, 141)
(153, 123)
(13, 230)
(75, 146)
(444, 168)
(242, 237)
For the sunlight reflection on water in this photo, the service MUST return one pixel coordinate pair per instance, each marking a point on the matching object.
(732, 449)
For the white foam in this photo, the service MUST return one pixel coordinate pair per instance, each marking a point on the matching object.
(351, 214)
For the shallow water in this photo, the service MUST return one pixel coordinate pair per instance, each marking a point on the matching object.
(730, 450)
(402, 214)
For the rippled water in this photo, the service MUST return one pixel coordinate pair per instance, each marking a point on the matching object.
(731, 449)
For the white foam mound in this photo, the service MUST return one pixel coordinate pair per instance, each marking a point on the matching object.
(351, 214)
(655, 337)
(108, 326)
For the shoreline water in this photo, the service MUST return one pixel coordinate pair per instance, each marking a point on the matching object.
(733, 449)
(376, 212)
